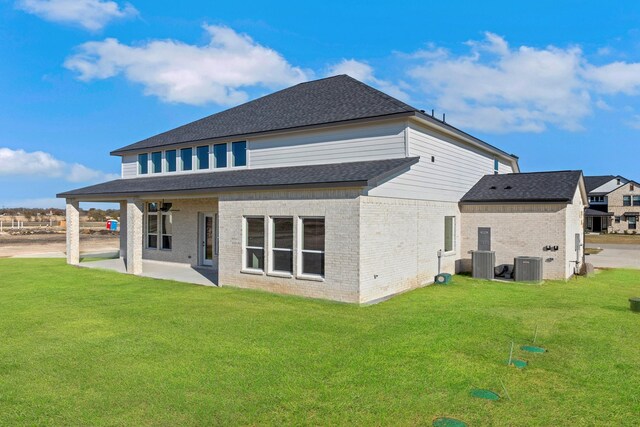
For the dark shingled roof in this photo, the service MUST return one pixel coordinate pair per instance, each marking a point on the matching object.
(334, 99)
(593, 182)
(525, 187)
(369, 173)
(594, 212)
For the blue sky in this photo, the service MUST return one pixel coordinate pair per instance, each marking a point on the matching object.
(557, 83)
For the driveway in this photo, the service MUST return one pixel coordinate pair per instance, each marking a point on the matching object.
(615, 256)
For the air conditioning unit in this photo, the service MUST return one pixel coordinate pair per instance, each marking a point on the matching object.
(443, 279)
(528, 269)
(483, 264)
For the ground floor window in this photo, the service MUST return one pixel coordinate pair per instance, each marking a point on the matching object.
(449, 233)
(632, 221)
(159, 227)
(282, 245)
(254, 243)
(312, 246)
(617, 219)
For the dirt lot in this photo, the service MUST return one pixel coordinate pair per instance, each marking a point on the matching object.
(54, 244)
(618, 239)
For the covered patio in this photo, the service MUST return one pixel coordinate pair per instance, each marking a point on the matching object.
(160, 270)
(597, 221)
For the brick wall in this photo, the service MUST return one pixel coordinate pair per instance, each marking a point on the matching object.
(615, 200)
(520, 230)
(340, 208)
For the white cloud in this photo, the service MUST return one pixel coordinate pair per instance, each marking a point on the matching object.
(218, 72)
(616, 77)
(40, 164)
(90, 14)
(496, 88)
(364, 72)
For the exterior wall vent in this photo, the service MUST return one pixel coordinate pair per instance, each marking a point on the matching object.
(528, 269)
(483, 264)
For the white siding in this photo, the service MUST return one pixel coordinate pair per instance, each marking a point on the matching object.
(456, 168)
(346, 144)
(129, 166)
(504, 167)
(610, 186)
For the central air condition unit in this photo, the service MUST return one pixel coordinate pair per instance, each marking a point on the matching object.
(483, 264)
(528, 269)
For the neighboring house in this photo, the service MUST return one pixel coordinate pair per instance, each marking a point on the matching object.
(328, 189)
(614, 204)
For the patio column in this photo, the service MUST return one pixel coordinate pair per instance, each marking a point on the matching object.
(135, 209)
(123, 229)
(73, 231)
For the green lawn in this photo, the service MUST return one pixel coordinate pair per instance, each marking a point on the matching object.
(87, 347)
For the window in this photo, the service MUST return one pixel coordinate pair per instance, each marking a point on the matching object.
(170, 156)
(631, 187)
(220, 155)
(636, 200)
(496, 166)
(632, 220)
(626, 200)
(186, 159)
(254, 244)
(312, 248)
(166, 228)
(618, 181)
(152, 225)
(449, 233)
(617, 219)
(156, 162)
(282, 245)
(202, 154)
(239, 153)
(143, 163)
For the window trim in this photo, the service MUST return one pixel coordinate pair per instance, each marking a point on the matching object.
(453, 237)
(299, 244)
(271, 247)
(245, 246)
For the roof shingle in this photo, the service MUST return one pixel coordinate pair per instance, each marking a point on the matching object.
(525, 187)
(368, 173)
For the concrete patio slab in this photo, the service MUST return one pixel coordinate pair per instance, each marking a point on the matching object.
(161, 270)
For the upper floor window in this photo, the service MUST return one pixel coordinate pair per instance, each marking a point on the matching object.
(239, 153)
(186, 159)
(626, 200)
(170, 156)
(156, 162)
(220, 155)
(143, 163)
(496, 166)
(636, 200)
(202, 154)
(631, 187)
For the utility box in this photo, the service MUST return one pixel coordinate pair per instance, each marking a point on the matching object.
(527, 269)
(483, 264)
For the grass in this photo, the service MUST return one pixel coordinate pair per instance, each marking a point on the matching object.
(620, 239)
(89, 347)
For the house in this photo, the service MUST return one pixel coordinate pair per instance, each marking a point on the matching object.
(614, 204)
(328, 189)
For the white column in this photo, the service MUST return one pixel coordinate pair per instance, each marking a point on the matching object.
(123, 230)
(73, 232)
(135, 210)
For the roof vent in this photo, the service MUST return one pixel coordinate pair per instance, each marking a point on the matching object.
(493, 187)
(508, 187)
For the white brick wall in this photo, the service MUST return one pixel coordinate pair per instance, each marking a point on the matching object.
(341, 211)
(399, 243)
(520, 230)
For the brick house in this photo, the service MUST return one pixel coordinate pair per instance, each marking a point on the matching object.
(328, 189)
(614, 204)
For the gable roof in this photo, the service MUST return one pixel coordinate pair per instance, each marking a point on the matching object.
(353, 174)
(333, 100)
(534, 187)
(593, 182)
(330, 100)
